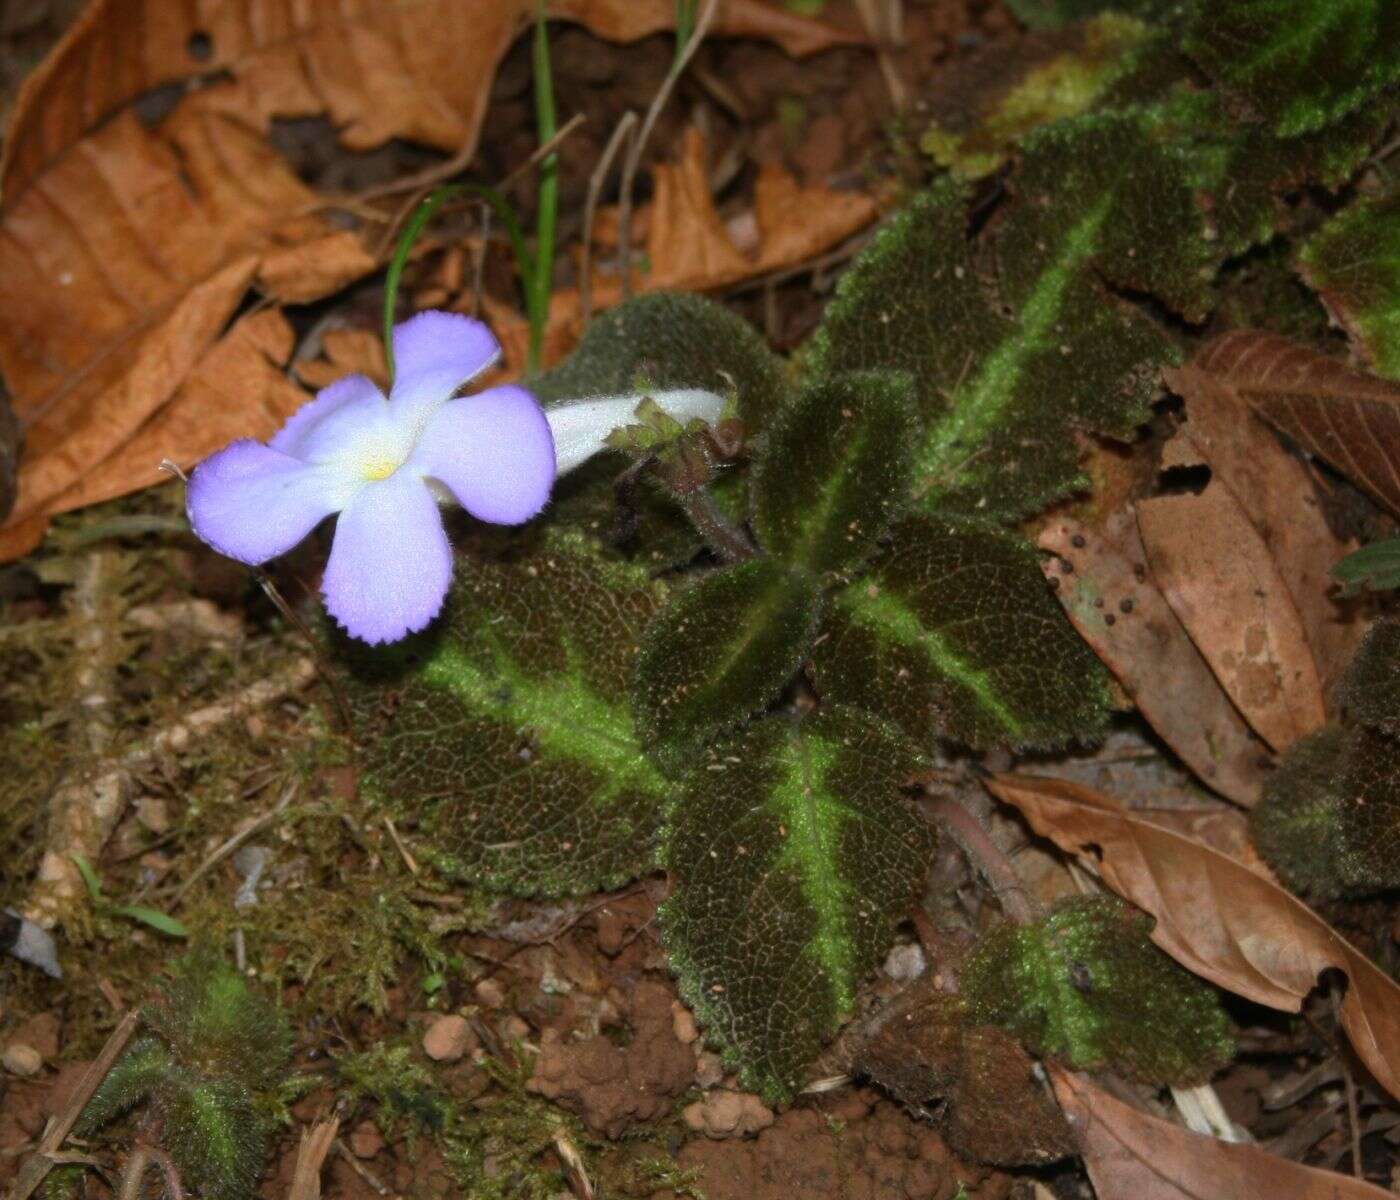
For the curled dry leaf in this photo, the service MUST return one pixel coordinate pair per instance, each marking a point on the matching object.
(1214, 915)
(1349, 418)
(1130, 1153)
(1119, 611)
(1220, 580)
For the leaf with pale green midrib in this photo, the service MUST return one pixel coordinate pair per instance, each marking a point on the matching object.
(1300, 64)
(793, 856)
(954, 633)
(1086, 984)
(721, 651)
(833, 469)
(215, 1135)
(669, 340)
(506, 735)
(1353, 262)
(1012, 338)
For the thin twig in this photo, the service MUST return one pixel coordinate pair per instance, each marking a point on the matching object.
(34, 1170)
(232, 843)
(639, 143)
(359, 1168)
(625, 128)
(1353, 1115)
(316, 1143)
(424, 182)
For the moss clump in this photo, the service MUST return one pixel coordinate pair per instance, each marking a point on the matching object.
(1086, 985)
(207, 1075)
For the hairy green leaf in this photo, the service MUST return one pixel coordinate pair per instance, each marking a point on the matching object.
(833, 469)
(722, 650)
(132, 1079)
(1086, 984)
(505, 733)
(1299, 64)
(793, 857)
(1296, 827)
(982, 104)
(214, 1133)
(667, 340)
(1012, 337)
(213, 1020)
(954, 633)
(1368, 829)
(1370, 689)
(1353, 262)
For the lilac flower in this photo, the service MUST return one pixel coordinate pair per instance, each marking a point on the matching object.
(384, 464)
(380, 462)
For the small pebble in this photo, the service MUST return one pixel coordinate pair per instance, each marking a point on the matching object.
(490, 994)
(683, 1024)
(906, 962)
(365, 1140)
(23, 1060)
(708, 1070)
(448, 1039)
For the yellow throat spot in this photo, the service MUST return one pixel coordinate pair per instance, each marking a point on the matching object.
(380, 469)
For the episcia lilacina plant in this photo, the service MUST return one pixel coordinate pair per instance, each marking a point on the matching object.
(727, 609)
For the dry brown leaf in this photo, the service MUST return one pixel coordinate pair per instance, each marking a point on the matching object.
(1279, 495)
(417, 69)
(346, 352)
(119, 270)
(690, 249)
(1130, 1153)
(1349, 418)
(1214, 915)
(1224, 586)
(1119, 611)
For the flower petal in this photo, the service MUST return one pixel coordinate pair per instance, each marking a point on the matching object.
(435, 353)
(390, 563)
(252, 503)
(581, 427)
(304, 425)
(494, 451)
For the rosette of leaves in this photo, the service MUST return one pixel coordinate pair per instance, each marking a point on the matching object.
(1085, 984)
(504, 733)
(206, 1074)
(1329, 822)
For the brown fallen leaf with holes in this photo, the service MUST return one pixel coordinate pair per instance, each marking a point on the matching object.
(1214, 915)
(1280, 497)
(1225, 587)
(1117, 608)
(1131, 1153)
(1348, 418)
(125, 251)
